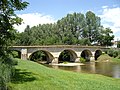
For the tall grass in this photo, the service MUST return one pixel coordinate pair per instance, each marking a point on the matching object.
(6, 71)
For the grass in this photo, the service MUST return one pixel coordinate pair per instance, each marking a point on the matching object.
(116, 60)
(33, 76)
(106, 57)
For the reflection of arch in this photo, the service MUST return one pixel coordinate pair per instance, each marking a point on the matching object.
(48, 56)
(71, 56)
(86, 54)
(97, 54)
(16, 53)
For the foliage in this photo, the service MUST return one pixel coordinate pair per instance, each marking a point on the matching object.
(73, 29)
(84, 41)
(110, 52)
(6, 72)
(38, 56)
(7, 34)
(82, 60)
(118, 56)
(92, 25)
(64, 56)
(115, 53)
(16, 54)
(65, 62)
(106, 37)
(118, 44)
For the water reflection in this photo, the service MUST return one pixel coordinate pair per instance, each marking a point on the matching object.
(104, 68)
(116, 71)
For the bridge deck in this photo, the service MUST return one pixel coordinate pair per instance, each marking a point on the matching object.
(60, 46)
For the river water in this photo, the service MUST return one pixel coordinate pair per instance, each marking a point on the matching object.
(105, 68)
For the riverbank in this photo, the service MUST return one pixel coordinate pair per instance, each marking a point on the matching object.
(107, 58)
(33, 76)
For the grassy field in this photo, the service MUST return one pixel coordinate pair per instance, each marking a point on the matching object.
(32, 76)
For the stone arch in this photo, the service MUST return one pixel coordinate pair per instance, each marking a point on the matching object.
(86, 54)
(48, 56)
(97, 54)
(16, 53)
(71, 56)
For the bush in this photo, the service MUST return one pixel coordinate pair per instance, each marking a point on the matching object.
(6, 71)
(82, 60)
(110, 52)
(118, 56)
(5, 74)
(14, 62)
(115, 53)
(65, 62)
(106, 51)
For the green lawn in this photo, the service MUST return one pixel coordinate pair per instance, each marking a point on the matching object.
(33, 76)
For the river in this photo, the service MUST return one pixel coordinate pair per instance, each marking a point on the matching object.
(110, 69)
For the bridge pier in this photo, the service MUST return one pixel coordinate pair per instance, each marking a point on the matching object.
(24, 54)
(55, 60)
(92, 58)
(77, 59)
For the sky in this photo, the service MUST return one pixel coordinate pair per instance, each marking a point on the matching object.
(49, 11)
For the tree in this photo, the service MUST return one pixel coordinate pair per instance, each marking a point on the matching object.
(106, 37)
(92, 25)
(8, 18)
(118, 44)
(72, 29)
(26, 37)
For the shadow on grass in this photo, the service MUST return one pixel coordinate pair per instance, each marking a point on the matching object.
(22, 76)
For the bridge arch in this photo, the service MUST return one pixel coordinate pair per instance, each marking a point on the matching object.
(71, 56)
(97, 53)
(16, 53)
(44, 57)
(86, 54)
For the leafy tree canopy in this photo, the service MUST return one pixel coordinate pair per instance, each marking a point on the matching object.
(73, 29)
(8, 18)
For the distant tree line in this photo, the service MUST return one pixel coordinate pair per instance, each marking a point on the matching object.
(73, 29)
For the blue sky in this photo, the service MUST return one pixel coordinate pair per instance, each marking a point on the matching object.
(49, 11)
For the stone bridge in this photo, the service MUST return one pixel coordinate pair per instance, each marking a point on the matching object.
(53, 52)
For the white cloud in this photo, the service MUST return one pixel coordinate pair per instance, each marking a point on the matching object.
(110, 17)
(117, 38)
(34, 19)
(104, 7)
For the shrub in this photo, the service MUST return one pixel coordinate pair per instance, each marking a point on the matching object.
(82, 60)
(118, 55)
(6, 71)
(5, 74)
(65, 62)
(106, 51)
(14, 62)
(115, 53)
(110, 52)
